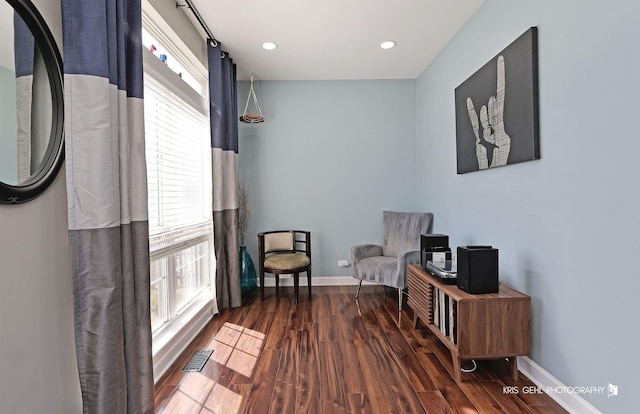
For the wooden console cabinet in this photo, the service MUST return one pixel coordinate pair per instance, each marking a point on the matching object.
(483, 326)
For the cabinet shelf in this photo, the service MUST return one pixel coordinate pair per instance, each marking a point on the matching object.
(481, 326)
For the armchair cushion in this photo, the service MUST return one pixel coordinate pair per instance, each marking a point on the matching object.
(379, 269)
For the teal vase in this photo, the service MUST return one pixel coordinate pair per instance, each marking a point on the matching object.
(247, 270)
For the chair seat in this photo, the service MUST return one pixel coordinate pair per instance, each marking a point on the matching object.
(286, 261)
(381, 269)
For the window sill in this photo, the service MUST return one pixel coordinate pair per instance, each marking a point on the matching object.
(173, 339)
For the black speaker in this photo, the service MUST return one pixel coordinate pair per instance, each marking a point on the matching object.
(478, 269)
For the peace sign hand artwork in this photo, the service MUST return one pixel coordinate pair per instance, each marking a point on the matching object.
(494, 143)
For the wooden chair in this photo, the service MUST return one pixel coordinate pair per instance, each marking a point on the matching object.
(285, 252)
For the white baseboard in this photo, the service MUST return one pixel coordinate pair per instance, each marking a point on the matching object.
(270, 281)
(569, 401)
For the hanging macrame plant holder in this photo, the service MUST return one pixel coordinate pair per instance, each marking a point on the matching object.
(257, 117)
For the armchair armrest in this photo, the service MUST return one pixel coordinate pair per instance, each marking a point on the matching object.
(365, 250)
(361, 252)
(405, 258)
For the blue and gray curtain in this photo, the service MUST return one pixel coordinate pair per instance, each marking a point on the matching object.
(224, 157)
(107, 201)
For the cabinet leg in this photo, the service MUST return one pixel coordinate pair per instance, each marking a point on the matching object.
(457, 372)
(514, 368)
(415, 320)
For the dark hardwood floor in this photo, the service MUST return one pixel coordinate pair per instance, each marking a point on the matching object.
(331, 355)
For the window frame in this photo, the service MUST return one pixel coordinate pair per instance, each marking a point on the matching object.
(171, 338)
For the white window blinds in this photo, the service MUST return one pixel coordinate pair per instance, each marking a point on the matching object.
(178, 167)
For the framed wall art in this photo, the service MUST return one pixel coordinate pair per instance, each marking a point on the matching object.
(497, 109)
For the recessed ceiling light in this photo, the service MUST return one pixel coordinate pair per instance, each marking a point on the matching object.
(269, 45)
(389, 44)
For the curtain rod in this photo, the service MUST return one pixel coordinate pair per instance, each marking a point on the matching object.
(191, 7)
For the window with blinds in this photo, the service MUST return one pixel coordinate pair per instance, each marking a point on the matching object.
(178, 163)
(178, 154)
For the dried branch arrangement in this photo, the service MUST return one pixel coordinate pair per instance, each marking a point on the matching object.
(245, 210)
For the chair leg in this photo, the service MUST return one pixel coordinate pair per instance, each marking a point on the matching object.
(309, 282)
(261, 285)
(399, 306)
(277, 285)
(296, 283)
(358, 291)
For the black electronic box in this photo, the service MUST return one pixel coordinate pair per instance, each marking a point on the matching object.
(433, 243)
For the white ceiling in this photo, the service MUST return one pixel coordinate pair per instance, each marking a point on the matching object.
(334, 39)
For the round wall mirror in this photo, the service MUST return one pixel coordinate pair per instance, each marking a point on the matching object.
(31, 103)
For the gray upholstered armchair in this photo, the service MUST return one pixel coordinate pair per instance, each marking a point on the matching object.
(387, 264)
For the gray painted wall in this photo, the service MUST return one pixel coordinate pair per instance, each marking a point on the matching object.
(329, 158)
(38, 370)
(567, 225)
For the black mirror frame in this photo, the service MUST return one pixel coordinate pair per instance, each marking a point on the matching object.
(54, 155)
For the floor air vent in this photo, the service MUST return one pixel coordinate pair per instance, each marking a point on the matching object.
(198, 361)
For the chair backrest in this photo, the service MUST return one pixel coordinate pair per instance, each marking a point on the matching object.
(402, 231)
(281, 241)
